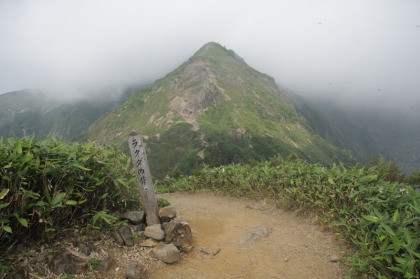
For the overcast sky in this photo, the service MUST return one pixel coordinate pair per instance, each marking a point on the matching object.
(358, 49)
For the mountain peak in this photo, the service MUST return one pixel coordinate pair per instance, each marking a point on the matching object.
(213, 50)
(213, 109)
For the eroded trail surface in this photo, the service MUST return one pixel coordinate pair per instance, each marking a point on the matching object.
(241, 238)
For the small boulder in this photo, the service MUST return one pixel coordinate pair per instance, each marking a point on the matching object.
(179, 233)
(126, 235)
(166, 214)
(183, 236)
(155, 232)
(167, 253)
(67, 263)
(135, 217)
(117, 238)
(169, 228)
(135, 270)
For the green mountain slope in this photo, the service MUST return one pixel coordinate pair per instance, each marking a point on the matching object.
(214, 109)
(367, 131)
(38, 113)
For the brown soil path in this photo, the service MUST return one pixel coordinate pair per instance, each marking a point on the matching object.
(256, 240)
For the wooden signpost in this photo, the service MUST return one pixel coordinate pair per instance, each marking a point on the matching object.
(144, 178)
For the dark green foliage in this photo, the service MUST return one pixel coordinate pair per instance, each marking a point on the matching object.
(50, 184)
(414, 178)
(94, 264)
(380, 218)
(388, 169)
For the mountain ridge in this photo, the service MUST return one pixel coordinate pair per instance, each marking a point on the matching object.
(214, 109)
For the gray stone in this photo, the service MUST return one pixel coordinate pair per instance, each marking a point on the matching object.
(155, 232)
(169, 228)
(135, 217)
(67, 263)
(135, 270)
(167, 213)
(179, 233)
(126, 235)
(167, 253)
(117, 238)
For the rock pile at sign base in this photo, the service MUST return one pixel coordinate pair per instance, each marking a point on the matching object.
(177, 234)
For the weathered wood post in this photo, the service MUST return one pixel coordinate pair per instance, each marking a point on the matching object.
(144, 178)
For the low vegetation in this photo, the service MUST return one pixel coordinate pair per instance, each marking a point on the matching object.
(378, 217)
(49, 184)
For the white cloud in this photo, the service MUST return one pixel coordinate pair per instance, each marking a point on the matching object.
(347, 47)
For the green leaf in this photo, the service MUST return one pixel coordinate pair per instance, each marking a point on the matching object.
(4, 193)
(106, 219)
(368, 178)
(104, 196)
(395, 217)
(47, 193)
(7, 229)
(396, 243)
(82, 202)
(371, 218)
(388, 229)
(41, 203)
(3, 205)
(95, 218)
(58, 198)
(71, 202)
(330, 180)
(18, 147)
(394, 268)
(23, 222)
(122, 181)
(81, 167)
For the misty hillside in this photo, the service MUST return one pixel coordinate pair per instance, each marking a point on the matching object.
(36, 112)
(214, 109)
(366, 130)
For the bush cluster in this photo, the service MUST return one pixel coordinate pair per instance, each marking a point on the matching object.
(380, 218)
(50, 184)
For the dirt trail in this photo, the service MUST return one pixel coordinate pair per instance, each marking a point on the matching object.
(256, 240)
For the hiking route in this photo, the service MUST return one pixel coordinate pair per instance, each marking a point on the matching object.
(242, 238)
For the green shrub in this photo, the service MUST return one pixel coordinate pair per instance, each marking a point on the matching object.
(380, 218)
(49, 184)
